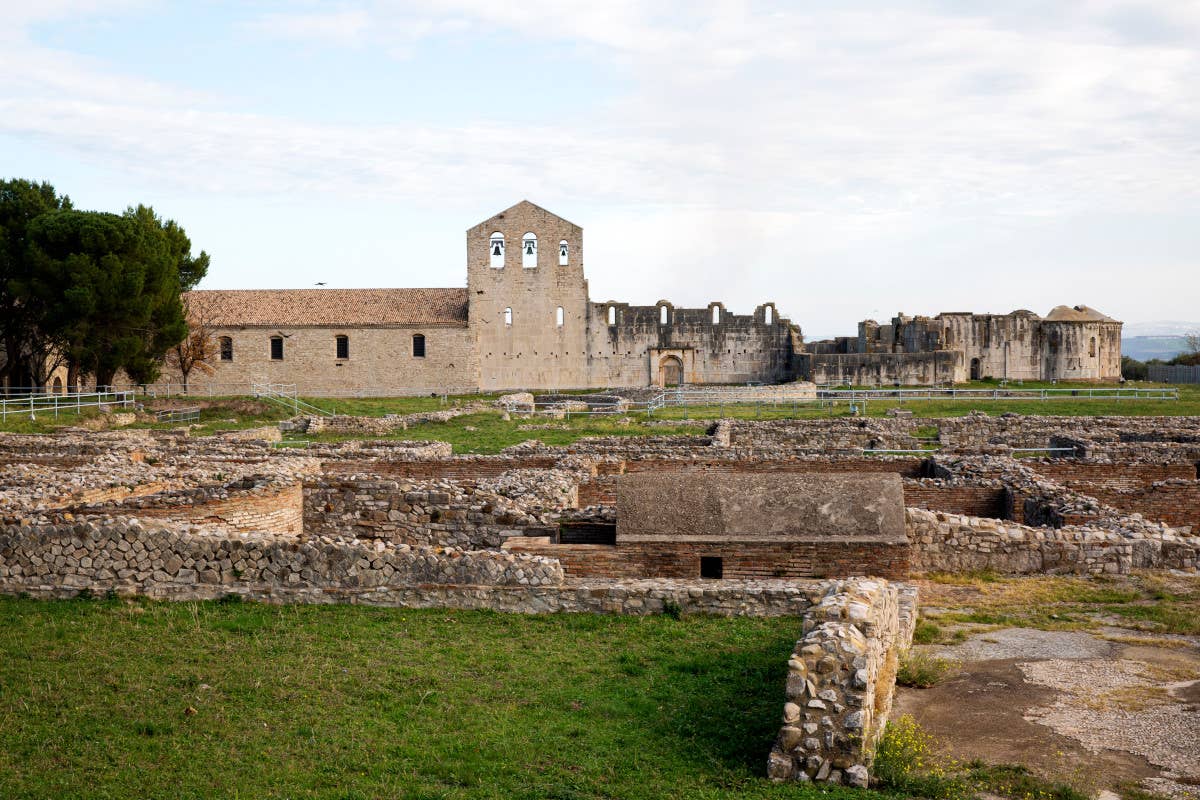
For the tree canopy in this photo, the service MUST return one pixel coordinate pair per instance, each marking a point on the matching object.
(96, 291)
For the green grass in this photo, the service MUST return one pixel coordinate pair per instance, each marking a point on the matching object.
(1146, 602)
(217, 416)
(110, 699)
(488, 432)
(922, 670)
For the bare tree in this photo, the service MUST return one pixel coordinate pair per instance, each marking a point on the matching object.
(199, 349)
(1191, 343)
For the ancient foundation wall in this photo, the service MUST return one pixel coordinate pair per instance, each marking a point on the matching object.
(271, 508)
(952, 543)
(176, 562)
(841, 680)
(446, 516)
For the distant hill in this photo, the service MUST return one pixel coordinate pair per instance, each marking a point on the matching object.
(1144, 348)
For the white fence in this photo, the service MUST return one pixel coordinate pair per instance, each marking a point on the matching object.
(33, 404)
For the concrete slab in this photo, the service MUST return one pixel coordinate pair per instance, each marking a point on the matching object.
(760, 507)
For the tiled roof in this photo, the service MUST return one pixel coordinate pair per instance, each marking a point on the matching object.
(296, 307)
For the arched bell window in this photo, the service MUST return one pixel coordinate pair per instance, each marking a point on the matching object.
(664, 316)
(612, 315)
(496, 250)
(768, 315)
(529, 251)
(562, 253)
(716, 315)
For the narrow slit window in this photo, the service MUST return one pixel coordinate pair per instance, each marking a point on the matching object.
(559, 317)
(418, 345)
(277, 348)
(769, 314)
(226, 348)
(343, 346)
(508, 316)
(663, 315)
(612, 315)
(716, 315)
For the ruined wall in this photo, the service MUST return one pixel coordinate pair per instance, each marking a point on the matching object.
(951, 543)
(272, 507)
(633, 349)
(906, 369)
(840, 683)
(381, 358)
(168, 561)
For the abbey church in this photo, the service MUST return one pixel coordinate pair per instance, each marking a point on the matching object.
(526, 321)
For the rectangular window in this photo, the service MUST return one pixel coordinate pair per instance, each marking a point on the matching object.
(711, 567)
(277, 348)
(226, 348)
(343, 347)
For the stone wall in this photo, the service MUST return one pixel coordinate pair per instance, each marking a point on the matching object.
(840, 683)
(636, 347)
(242, 507)
(49, 558)
(381, 359)
(128, 556)
(951, 543)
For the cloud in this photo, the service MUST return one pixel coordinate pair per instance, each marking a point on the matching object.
(811, 127)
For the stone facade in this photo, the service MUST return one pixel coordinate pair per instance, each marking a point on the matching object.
(1068, 344)
(526, 321)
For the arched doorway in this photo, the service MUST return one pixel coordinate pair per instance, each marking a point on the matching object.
(58, 385)
(974, 369)
(670, 372)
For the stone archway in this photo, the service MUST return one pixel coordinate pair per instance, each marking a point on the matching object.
(670, 372)
(974, 369)
(57, 385)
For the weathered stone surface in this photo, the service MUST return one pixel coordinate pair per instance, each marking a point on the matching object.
(656, 507)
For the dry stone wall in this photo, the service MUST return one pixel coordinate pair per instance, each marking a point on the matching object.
(841, 678)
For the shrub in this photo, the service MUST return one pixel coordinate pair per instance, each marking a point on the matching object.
(922, 670)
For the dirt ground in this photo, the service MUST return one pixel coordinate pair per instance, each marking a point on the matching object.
(1070, 706)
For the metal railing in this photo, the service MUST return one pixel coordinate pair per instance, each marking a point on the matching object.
(284, 394)
(190, 414)
(718, 398)
(60, 403)
(1006, 393)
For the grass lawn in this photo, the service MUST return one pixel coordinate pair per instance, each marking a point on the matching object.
(110, 698)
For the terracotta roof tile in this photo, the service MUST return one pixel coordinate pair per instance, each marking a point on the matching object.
(338, 307)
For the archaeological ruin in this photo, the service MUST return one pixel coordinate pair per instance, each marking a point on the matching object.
(782, 518)
(525, 320)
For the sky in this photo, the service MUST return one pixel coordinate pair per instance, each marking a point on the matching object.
(845, 160)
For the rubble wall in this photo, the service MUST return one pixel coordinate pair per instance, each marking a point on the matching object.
(841, 680)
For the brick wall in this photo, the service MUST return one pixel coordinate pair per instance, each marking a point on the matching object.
(1175, 503)
(974, 501)
(740, 560)
(1113, 476)
(275, 509)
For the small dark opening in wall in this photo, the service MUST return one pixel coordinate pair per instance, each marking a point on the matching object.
(711, 567)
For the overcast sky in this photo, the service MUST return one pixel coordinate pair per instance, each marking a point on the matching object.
(846, 160)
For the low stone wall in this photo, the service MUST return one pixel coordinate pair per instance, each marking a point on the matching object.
(445, 515)
(952, 543)
(265, 507)
(841, 679)
(126, 555)
(377, 426)
(169, 561)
